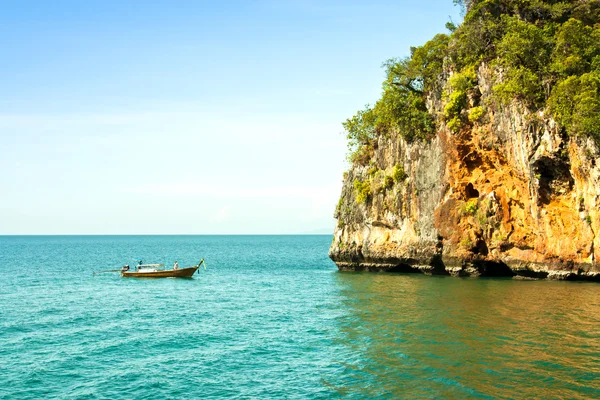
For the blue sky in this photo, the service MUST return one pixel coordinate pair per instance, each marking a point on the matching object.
(188, 117)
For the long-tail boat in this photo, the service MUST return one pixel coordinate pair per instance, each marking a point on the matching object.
(152, 271)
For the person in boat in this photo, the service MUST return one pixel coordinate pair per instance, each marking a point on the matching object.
(175, 265)
(126, 267)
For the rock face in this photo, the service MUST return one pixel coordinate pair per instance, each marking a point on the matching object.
(510, 195)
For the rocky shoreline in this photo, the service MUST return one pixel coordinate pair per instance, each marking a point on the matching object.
(511, 195)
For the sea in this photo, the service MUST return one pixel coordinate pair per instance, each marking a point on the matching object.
(272, 318)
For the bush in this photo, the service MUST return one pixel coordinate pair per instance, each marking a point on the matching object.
(482, 218)
(476, 113)
(372, 171)
(470, 207)
(524, 45)
(398, 174)
(576, 47)
(454, 124)
(519, 83)
(338, 207)
(459, 84)
(457, 101)
(465, 80)
(362, 191)
(575, 104)
(466, 243)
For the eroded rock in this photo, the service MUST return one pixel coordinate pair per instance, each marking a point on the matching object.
(510, 196)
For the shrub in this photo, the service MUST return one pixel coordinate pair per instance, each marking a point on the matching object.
(457, 101)
(577, 45)
(454, 124)
(519, 83)
(523, 44)
(398, 174)
(470, 207)
(464, 80)
(476, 113)
(362, 191)
(338, 207)
(466, 243)
(482, 218)
(575, 103)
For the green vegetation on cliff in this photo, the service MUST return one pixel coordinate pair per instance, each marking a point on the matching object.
(546, 54)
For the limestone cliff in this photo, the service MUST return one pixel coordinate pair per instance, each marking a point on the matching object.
(510, 194)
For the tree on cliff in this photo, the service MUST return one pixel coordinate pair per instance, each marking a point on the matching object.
(548, 53)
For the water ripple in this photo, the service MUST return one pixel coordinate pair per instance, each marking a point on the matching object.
(272, 318)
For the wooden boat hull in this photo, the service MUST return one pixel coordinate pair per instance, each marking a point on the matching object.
(172, 273)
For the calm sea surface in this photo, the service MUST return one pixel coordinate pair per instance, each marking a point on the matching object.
(271, 317)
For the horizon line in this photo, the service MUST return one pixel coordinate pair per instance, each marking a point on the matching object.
(167, 234)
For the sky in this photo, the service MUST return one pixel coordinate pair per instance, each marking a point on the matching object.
(189, 117)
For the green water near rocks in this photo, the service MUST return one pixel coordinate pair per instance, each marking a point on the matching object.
(272, 318)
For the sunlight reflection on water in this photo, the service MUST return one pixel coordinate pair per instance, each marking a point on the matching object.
(487, 338)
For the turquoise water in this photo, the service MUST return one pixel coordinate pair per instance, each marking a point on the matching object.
(271, 317)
